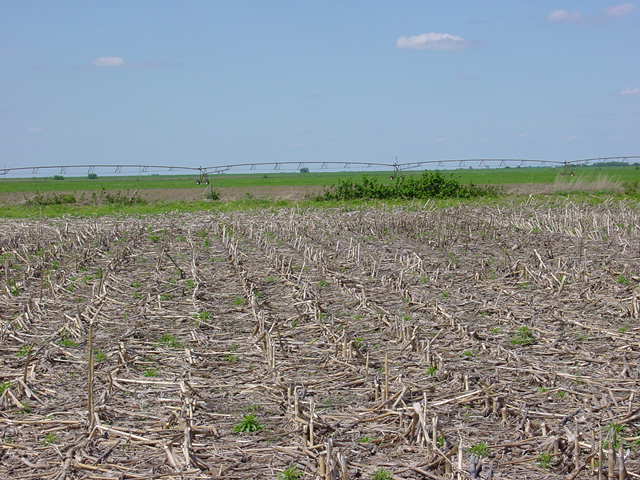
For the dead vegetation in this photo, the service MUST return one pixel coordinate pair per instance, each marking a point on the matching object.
(475, 342)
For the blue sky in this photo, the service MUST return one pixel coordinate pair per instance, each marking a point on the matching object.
(214, 82)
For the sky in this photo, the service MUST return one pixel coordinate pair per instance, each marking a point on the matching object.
(212, 82)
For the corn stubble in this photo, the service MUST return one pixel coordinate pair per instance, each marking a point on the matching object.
(343, 335)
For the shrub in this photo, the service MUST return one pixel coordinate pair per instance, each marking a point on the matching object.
(122, 198)
(58, 177)
(92, 176)
(427, 185)
(304, 170)
(51, 199)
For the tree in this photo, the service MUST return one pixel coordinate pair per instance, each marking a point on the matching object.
(304, 170)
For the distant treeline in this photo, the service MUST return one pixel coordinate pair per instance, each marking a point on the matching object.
(609, 164)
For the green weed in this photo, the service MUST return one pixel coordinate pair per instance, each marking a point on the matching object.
(524, 336)
(50, 438)
(68, 343)
(291, 473)
(4, 386)
(24, 351)
(248, 424)
(170, 340)
(545, 460)
(480, 449)
(623, 280)
(382, 474)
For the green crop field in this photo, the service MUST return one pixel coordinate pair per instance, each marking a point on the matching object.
(500, 176)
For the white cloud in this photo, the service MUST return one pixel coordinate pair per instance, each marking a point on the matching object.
(564, 16)
(35, 130)
(108, 62)
(630, 91)
(620, 10)
(432, 41)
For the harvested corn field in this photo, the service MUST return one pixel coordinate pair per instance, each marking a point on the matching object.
(472, 342)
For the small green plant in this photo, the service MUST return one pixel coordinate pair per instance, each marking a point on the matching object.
(271, 279)
(291, 473)
(524, 336)
(623, 280)
(495, 330)
(248, 424)
(616, 428)
(561, 394)
(151, 372)
(26, 407)
(14, 288)
(323, 283)
(24, 351)
(614, 432)
(365, 439)
(382, 474)
(203, 316)
(190, 283)
(68, 343)
(154, 238)
(432, 371)
(170, 340)
(543, 389)
(100, 356)
(50, 438)
(469, 353)
(166, 297)
(624, 329)
(4, 386)
(441, 441)
(445, 294)
(544, 460)
(480, 449)
(231, 358)
(239, 301)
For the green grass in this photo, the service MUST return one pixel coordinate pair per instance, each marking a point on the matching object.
(494, 176)
(92, 211)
